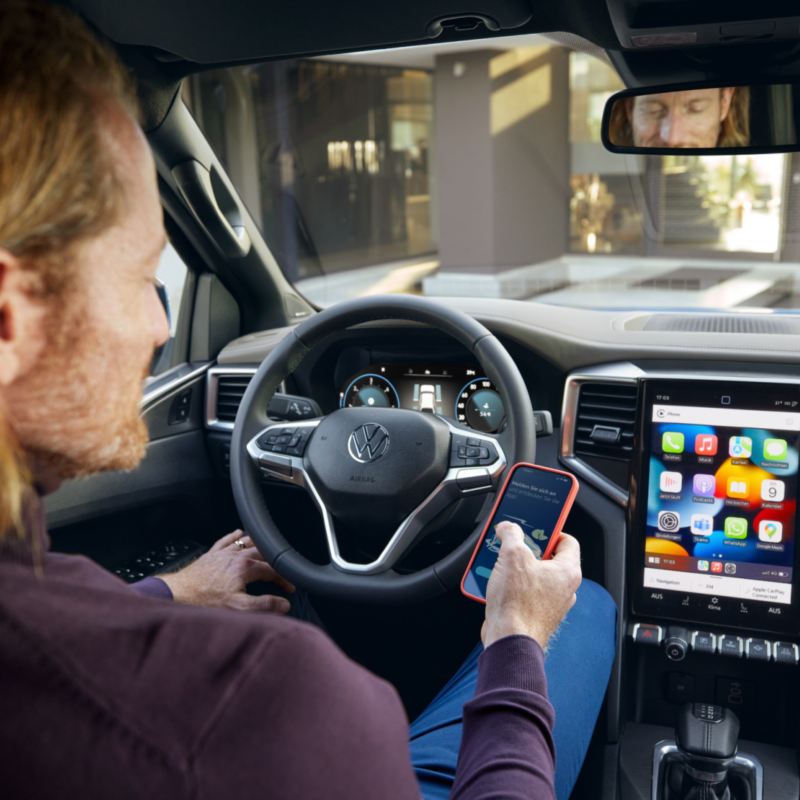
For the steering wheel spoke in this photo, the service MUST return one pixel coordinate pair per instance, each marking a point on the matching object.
(278, 450)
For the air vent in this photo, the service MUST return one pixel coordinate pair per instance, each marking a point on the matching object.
(605, 420)
(722, 323)
(230, 390)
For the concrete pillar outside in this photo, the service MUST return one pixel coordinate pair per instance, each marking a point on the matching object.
(501, 125)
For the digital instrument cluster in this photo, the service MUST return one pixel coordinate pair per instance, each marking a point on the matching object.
(452, 390)
(718, 509)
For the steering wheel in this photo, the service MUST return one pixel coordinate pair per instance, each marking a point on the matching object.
(386, 472)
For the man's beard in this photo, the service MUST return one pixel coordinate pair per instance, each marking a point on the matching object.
(77, 411)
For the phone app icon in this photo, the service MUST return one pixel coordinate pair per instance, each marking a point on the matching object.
(776, 449)
(705, 444)
(773, 491)
(701, 524)
(703, 565)
(735, 528)
(730, 568)
(739, 488)
(770, 530)
(669, 521)
(740, 447)
(672, 442)
(704, 485)
(671, 482)
(716, 567)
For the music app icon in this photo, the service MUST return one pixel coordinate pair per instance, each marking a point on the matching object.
(705, 444)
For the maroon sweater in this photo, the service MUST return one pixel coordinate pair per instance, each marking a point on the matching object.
(106, 692)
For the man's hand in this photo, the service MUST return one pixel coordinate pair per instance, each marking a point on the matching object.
(527, 596)
(219, 577)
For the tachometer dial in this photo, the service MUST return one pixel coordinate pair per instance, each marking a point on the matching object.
(370, 389)
(479, 405)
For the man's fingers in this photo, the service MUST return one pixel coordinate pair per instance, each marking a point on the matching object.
(261, 571)
(228, 539)
(567, 549)
(264, 603)
(509, 533)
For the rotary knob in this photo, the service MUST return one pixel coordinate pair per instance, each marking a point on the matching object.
(676, 643)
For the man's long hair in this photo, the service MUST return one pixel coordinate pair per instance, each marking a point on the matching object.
(734, 130)
(58, 186)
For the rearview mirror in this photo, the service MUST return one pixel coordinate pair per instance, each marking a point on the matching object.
(703, 119)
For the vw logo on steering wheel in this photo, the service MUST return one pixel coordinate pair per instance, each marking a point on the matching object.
(368, 442)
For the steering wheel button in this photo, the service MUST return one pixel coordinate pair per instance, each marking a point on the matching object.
(473, 452)
(474, 442)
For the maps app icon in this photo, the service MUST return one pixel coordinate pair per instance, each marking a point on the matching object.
(740, 447)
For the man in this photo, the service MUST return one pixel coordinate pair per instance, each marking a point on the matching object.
(107, 692)
(700, 118)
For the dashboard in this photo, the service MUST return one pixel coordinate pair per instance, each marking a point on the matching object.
(705, 534)
(451, 390)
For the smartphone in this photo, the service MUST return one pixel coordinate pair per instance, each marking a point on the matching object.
(538, 499)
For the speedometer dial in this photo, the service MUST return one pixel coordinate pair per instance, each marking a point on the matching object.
(479, 405)
(370, 389)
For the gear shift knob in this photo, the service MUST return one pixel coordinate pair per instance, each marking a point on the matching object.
(707, 736)
(707, 732)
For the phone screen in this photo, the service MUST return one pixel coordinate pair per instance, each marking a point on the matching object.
(535, 500)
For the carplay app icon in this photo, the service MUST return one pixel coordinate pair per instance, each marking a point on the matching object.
(740, 447)
(704, 485)
(671, 482)
(773, 491)
(669, 521)
(776, 449)
(735, 527)
(701, 524)
(770, 530)
(672, 442)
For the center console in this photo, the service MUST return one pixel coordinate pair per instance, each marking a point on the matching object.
(711, 609)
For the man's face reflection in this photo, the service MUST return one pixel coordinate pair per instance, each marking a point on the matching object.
(692, 118)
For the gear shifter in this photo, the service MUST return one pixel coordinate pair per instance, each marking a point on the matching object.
(707, 738)
(702, 763)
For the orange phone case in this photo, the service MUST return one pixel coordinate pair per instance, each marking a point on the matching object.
(556, 531)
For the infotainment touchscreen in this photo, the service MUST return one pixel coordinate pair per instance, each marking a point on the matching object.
(719, 489)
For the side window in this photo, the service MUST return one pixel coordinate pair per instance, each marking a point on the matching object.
(172, 274)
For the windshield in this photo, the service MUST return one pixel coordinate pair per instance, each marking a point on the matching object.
(477, 169)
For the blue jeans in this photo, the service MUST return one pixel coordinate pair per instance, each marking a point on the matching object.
(578, 664)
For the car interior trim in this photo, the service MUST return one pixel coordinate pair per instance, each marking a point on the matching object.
(161, 390)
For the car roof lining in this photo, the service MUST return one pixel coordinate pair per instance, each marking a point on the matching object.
(216, 32)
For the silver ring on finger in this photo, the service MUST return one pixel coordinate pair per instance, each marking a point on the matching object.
(240, 543)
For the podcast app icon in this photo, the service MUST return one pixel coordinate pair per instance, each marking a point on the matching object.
(704, 485)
